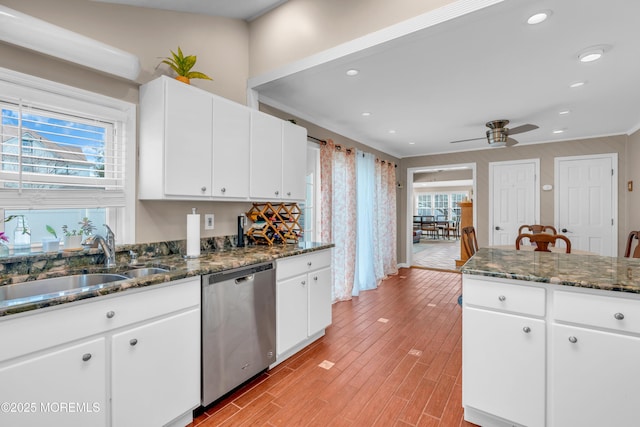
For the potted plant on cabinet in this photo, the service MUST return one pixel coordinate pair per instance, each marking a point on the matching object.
(182, 65)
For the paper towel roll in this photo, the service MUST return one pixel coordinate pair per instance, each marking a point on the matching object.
(193, 235)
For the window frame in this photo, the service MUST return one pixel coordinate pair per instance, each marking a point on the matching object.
(70, 100)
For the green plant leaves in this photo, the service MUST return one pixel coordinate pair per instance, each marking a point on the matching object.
(182, 65)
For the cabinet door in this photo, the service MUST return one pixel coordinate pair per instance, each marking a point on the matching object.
(294, 170)
(319, 300)
(64, 387)
(231, 137)
(266, 156)
(188, 140)
(504, 366)
(156, 370)
(594, 380)
(292, 312)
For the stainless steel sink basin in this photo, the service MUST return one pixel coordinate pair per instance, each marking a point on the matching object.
(142, 272)
(56, 285)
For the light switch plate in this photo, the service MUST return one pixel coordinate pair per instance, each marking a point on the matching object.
(208, 221)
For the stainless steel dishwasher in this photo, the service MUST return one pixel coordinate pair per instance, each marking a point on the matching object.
(238, 327)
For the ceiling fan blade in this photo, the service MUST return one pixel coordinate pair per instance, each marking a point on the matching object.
(521, 129)
(466, 140)
(511, 142)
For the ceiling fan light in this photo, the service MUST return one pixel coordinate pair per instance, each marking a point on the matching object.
(591, 55)
(497, 137)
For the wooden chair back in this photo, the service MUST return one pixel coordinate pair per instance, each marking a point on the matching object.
(469, 241)
(543, 240)
(634, 235)
(537, 228)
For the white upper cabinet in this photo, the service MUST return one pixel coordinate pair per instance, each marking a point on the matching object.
(294, 155)
(195, 145)
(278, 159)
(266, 156)
(231, 134)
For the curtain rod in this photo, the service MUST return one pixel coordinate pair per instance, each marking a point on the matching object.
(323, 141)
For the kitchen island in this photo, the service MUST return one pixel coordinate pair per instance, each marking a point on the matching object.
(550, 339)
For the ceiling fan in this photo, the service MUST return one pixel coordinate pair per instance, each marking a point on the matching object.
(498, 134)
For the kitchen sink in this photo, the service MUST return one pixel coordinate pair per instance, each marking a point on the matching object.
(56, 285)
(142, 272)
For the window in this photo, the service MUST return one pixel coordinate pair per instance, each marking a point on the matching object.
(63, 157)
(424, 204)
(439, 204)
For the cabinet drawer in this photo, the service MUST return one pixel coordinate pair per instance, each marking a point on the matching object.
(69, 322)
(594, 310)
(302, 264)
(501, 296)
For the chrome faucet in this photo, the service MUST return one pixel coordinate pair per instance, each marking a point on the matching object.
(108, 246)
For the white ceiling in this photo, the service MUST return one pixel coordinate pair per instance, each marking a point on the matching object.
(443, 81)
(239, 9)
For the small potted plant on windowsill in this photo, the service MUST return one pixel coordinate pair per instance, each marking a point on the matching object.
(49, 244)
(72, 239)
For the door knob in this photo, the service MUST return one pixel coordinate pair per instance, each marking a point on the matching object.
(497, 228)
(564, 230)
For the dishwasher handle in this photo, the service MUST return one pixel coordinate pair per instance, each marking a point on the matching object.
(241, 280)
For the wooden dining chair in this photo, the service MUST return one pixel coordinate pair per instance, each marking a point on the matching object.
(537, 228)
(453, 228)
(543, 240)
(634, 235)
(469, 241)
(430, 226)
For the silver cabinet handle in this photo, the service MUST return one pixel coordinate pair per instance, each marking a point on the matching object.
(315, 278)
(203, 189)
(619, 316)
(502, 298)
(133, 341)
(110, 314)
(288, 193)
(303, 283)
(526, 329)
(223, 190)
(86, 357)
(309, 263)
(573, 339)
(277, 192)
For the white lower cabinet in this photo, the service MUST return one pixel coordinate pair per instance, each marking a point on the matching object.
(504, 365)
(582, 373)
(303, 300)
(151, 384)
(128, 359)
(62, 387)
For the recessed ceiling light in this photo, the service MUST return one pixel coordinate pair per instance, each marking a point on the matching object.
(539, 17)
(392, 131)
(412, 143)
(591, 55)
(577, 84)
(352, 72)
(558, 131)
(564, 112)
(366, 114)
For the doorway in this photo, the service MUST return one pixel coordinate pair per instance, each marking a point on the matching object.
(432, 196)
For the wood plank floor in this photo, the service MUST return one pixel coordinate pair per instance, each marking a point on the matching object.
(396, 361)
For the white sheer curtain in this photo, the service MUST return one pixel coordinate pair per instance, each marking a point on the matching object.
(359, 216)
(366, 251)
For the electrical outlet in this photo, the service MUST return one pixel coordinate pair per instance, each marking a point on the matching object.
(208, 221)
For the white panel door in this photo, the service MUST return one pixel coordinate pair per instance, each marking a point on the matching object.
(586, 199)
(513, 198)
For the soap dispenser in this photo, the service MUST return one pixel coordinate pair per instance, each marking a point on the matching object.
(241, 224)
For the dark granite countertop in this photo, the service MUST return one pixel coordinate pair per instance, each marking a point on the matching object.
(179, 268)
(584, 271)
